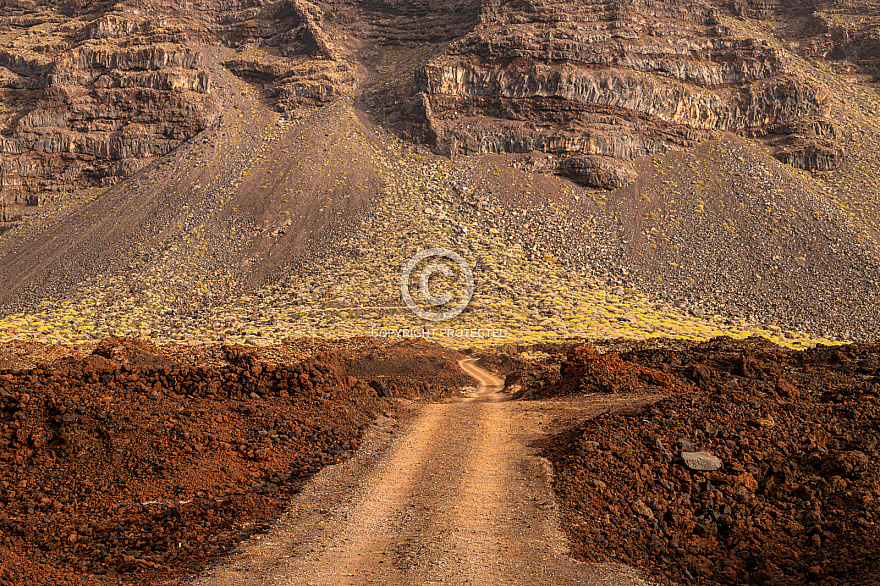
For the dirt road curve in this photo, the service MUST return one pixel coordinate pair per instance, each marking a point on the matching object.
(455, 496)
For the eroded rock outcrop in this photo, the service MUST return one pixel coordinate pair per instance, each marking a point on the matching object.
(90, 92)
(598, 84)
(823, 29)
(88, 100)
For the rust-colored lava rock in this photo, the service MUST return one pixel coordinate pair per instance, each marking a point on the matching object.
(404, 369)
(584, 370)
(797, 497)
(124, 467)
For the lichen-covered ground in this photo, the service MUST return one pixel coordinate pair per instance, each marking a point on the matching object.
(353, 288)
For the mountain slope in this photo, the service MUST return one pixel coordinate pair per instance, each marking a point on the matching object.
(676, 168)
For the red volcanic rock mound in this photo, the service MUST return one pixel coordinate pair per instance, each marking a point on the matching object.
(585, 371)
(797, 497)
(140, 354)
(124, 466)
(410, 367)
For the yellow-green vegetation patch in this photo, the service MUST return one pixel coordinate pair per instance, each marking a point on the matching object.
(517, 299)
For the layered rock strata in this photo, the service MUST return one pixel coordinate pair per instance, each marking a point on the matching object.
(597, 84)
(91, 91)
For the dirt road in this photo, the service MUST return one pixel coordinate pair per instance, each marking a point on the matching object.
(455, 496)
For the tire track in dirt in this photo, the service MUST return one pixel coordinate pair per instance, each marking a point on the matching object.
(459, 498)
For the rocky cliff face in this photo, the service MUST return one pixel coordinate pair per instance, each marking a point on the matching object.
(87, 100)
(822, 29)
(598, 84)
(92, 91)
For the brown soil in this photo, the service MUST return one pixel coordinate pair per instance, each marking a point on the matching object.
(26, 355)
(796, 498)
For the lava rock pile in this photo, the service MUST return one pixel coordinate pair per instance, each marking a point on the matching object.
(796, 498)
(111, 473)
